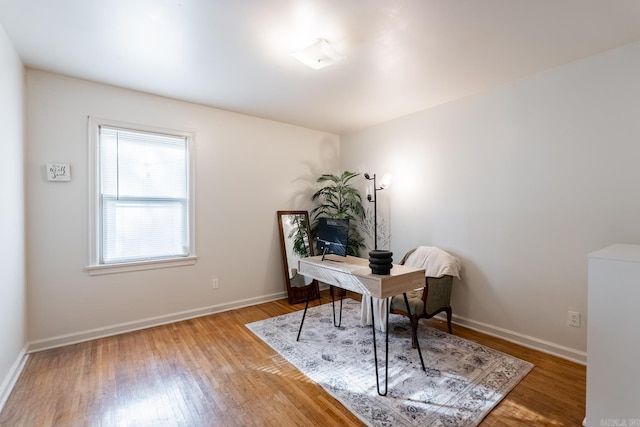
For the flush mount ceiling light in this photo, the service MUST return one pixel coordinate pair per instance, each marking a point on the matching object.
(318, 55)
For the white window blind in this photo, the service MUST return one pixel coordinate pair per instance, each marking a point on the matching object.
(143, 196)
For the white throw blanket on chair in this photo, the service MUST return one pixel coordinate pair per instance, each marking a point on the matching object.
(435, 262)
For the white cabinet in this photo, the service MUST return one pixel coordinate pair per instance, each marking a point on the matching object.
(613, 337)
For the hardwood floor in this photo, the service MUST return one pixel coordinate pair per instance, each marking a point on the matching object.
(213, 371)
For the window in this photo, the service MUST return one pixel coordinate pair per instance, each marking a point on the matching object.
(141, 201)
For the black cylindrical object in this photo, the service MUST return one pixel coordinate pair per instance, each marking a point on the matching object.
(380, 261)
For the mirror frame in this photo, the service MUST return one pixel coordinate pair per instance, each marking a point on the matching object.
(296, 294)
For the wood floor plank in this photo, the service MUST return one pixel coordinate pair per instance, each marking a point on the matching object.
(213, 371)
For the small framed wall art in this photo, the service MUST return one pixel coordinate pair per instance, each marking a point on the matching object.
(58, 172)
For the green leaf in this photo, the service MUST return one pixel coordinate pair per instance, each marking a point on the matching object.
(337, 198)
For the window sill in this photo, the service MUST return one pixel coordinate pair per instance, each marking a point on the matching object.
(97, 270)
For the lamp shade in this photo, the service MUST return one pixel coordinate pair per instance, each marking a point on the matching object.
(386, 180)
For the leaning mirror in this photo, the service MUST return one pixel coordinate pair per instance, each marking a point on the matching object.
(295, 243)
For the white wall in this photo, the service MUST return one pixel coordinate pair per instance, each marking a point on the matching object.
(521, 183)
(12, 250)
(246, 169)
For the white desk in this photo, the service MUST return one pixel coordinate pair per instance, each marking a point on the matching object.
(354, 274)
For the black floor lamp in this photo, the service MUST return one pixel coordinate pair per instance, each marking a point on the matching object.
(386, 180)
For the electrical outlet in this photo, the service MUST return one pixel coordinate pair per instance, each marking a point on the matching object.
(215, 284)
(573, 319)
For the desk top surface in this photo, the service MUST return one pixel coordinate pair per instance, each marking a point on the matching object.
(356, 266)
(354, 274)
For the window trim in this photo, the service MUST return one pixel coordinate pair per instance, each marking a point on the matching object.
(94, 267)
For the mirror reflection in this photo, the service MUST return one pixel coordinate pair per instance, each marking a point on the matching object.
(295, 240)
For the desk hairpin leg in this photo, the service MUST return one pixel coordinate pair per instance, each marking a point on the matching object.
(333, 304)
(375, 348)
(386, 356)
(414, 328)
(310, 289)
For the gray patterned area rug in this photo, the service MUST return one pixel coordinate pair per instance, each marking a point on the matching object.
(462, 383)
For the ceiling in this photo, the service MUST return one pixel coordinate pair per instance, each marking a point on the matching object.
(400, 56)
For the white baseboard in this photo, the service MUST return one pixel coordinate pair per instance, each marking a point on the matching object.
(91, 334)
(563, 352)
(12, 377)
(511, 336)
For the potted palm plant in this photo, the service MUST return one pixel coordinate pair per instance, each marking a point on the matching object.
(337, 198)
